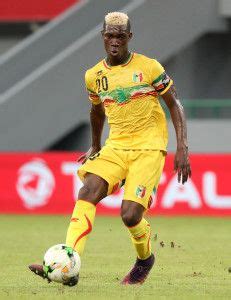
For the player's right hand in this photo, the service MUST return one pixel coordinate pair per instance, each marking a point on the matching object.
(92, 151)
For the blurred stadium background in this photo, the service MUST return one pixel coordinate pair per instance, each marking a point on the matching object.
(45, 49)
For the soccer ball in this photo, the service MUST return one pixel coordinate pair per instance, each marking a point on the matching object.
(62, 264)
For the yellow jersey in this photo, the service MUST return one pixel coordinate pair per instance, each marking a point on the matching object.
(129, 93)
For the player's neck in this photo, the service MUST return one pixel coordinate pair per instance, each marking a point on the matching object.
(115, 61)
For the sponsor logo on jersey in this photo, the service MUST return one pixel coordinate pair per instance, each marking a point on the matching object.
(137, 77)
(140, 191)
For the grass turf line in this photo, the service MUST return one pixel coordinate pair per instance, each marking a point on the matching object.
(197, 265)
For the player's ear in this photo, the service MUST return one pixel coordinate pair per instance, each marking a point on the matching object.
(130, 36)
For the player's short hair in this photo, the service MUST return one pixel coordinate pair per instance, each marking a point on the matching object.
(117, 18)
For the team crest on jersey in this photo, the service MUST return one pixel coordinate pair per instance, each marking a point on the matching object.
(140, 191)
(137, 77)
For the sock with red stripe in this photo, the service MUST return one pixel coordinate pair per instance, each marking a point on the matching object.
(140, 236)
(81, 225)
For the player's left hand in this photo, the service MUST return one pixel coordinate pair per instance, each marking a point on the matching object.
(182, 164)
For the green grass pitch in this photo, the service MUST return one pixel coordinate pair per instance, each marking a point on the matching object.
(195, 268)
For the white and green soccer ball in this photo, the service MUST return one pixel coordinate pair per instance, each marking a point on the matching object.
(62, 264)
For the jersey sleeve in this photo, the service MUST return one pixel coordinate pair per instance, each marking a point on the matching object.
(159, 79)
(90, 86)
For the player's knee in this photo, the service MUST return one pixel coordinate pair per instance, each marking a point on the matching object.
(131, 212)
(131, 217)
(85, 192)
(93, 191)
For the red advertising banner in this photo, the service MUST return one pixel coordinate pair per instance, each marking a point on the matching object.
(46, 183)
(36, 10)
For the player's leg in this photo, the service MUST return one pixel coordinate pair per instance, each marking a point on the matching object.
(138, 227)
(99, 175)
(143, 177)
(94, 189)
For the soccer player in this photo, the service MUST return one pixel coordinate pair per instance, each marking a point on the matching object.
(125, 86)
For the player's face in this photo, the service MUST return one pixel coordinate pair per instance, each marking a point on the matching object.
(116, 40)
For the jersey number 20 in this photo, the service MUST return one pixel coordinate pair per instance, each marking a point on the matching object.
(102, 84)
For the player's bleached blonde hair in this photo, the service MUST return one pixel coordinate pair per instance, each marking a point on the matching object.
(116, 18)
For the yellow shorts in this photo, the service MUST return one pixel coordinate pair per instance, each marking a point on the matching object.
(141, 170)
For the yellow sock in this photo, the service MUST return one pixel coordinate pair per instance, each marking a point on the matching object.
(140, 235)
(81, 225)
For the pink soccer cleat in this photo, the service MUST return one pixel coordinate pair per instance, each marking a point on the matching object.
(140, 271)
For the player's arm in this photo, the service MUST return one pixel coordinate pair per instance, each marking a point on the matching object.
(181, 162)
(97, 118)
